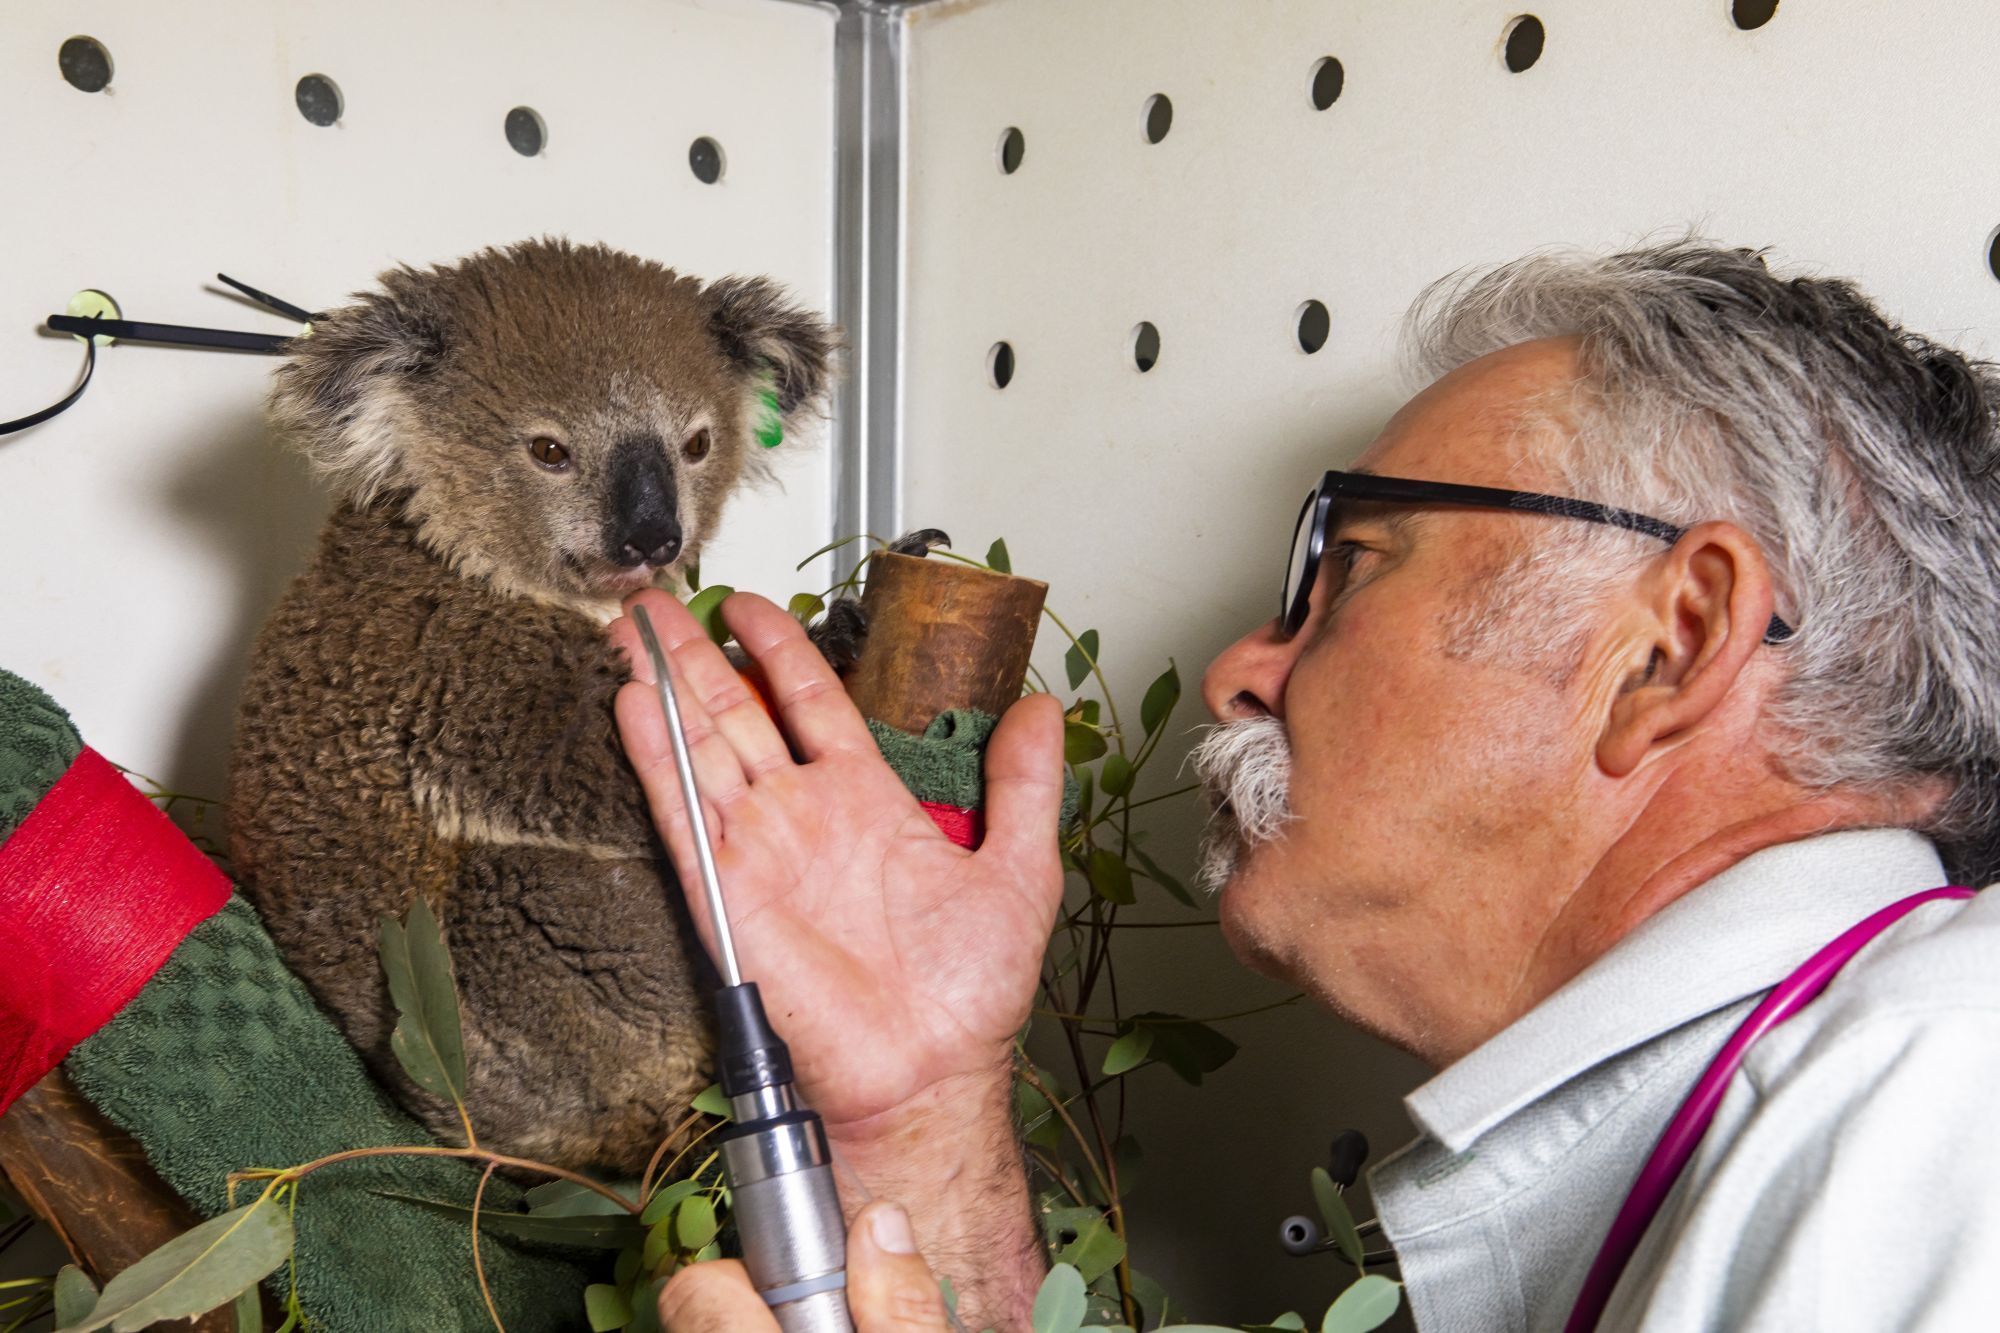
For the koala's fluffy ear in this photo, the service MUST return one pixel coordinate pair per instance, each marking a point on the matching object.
(762, 331)
(341, 389)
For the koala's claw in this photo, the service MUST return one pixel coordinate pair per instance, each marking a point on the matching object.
(841, 633)
(920, 542)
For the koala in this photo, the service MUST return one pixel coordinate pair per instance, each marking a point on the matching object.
(516, 442)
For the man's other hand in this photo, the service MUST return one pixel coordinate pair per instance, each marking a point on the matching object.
(889, 1287)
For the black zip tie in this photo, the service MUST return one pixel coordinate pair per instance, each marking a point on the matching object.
(173, 335)
(270, 302)
(89, 367)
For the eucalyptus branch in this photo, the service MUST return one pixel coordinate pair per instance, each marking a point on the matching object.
(478, 1263)
(292, 1174)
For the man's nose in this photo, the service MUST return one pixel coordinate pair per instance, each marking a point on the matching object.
(1248, 678)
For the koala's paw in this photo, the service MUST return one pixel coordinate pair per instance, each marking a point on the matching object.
(919, 543)
(841, 633)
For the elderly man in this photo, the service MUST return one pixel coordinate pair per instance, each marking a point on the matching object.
(1650, 648)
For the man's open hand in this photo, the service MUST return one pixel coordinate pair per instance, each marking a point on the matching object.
(894, 963)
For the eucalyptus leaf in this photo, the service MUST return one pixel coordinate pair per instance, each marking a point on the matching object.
(804, 606)
(427, 1040)
(196, 1271)
(996, 558)
(76, 1296)
(1190, 1048)
(626, 1271)
(606, 1307)
(708, 1253)
(1081, 657)
(645, 1302)
(945, 1287)
(592, 1231)
(1339, 1221)
(1161, 696)
(1367, 1304)
(1117, 780)
(1110, 877)
(1061, 1303)
(1288, 1322)
(1081, 743)
(1062, 1226)
(666, 1199)
(1154, 1303)
(566, 1198)
(706, 607)
(1095, 1251)
(1129, 1051)
(1161, 877)
(710, 1101)
(1129, 1160)
(249, 1310)
(659, 1244)
(691, 575)
(1039, 1124)
(830, 546)
(695, 1222)
(1086, 796)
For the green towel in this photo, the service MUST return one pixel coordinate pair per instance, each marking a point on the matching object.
(946, 765)
(38, 743)
(224, 1061)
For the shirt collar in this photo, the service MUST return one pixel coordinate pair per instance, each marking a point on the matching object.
(1739, 933)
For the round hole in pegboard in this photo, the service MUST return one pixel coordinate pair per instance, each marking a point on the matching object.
(1525, 39)
(526, 133)
(1993, 253)
(1000, 364)
(1314, 325)
(705, 160)
(1145, 346)
(1327, 81)
(1748, 14)
(1159, 117)
(1013, 147)
(319, 99)
(85, 64)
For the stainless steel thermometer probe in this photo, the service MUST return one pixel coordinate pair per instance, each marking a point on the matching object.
(774, 1152)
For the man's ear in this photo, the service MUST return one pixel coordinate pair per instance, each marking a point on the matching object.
(341, 388)
(760, 330)
(1701, 615)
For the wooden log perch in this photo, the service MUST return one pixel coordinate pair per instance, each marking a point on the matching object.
(942, 635)
(90, 1182)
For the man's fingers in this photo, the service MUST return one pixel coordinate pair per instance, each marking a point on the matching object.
(818, 715)
(706, 671)
(1024, 780)
(889, 1286)
(714, 1297)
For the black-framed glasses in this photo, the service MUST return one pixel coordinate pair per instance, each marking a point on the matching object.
(1309, 537)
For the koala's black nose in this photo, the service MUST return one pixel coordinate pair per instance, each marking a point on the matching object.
(643, 524)
(651, 544)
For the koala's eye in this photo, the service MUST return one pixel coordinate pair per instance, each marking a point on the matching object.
(696, 448)
(549, 453)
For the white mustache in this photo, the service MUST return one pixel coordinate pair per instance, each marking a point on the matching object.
(1246, 773)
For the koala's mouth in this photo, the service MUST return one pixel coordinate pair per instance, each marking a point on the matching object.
(599, 576)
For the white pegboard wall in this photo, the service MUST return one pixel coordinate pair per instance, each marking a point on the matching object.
(151, 527)
(1849, 135)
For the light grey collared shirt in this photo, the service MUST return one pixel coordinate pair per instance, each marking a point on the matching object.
(1851, 1179)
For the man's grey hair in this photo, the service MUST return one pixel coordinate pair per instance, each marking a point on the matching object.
(1863, 458)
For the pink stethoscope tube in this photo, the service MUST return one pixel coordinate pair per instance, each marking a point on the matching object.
(1683, 1134)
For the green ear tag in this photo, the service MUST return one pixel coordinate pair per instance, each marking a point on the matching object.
(771, 433)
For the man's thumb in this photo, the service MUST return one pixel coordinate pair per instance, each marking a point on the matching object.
(889, 1286)
(1024, 779)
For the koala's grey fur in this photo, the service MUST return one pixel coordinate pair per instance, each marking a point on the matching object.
(429, 709)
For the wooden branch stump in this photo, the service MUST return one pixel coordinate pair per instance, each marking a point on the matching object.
(942, 635)
(90, 1182)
